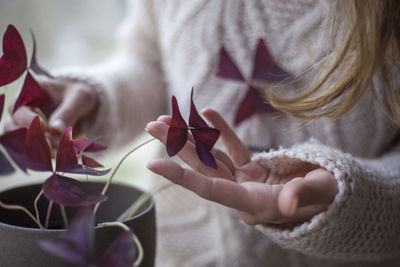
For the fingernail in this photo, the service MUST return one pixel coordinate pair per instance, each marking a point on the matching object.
(146, 129)
(294, 207)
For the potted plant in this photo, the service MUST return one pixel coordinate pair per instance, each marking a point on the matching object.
(96, 224)
(33, 232)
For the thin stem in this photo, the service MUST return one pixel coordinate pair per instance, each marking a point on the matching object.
(64, 216)
(131, 211)
(17, 207)
(107, 185)
(36, 207)
(48, 214)
(139, 259)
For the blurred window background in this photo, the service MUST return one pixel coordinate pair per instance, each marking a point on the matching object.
(70, 32)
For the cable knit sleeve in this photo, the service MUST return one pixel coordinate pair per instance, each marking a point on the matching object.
(363, 221)
(130, 84)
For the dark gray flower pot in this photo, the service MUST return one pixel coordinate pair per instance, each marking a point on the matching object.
(18, 235)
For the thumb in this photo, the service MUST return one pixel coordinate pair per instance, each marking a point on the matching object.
(317, 188)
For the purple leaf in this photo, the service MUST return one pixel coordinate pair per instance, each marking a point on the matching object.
(265, 67)
(121, 253)
(13, 62)
(34, 64)
(94, 147)
(91, 163)
(2, 99)
(34, 96)
(70, 192)
(80, 144)
(77, 243)
(37, 148)
(226, 68)
(252, 104)
(195, 120)
(177, 131)
(66, 155)
(204, 136)
(5, 166)
(14, 143)
(205, 139)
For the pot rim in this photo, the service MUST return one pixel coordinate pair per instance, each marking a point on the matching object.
(149, 206)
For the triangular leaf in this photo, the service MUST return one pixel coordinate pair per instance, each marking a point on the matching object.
(34, 64)
(252, 104)
(13, 62)
(265, 68)
(2, 100)
(195, 120)
(5, 166)
(80, 144)
(70, 192)
(34, 96)
(226, 68)
(14, 143)
(121, 253)
(177, 131)
(205, 139)
(93, 147)
(37, 148)
(66, 156)
(91, 163)
(75, 245)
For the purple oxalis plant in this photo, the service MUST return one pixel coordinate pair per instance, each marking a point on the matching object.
(29, 150)
(203, 135)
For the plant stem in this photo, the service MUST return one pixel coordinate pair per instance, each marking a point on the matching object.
(116, 169)
(134, 237)
(48, 214)
(36, 207)
(131, 211)
(17, 207)
(64, 216)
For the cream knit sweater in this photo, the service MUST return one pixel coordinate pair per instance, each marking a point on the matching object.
(167, 46)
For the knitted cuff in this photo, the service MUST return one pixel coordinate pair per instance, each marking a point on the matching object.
(325, 234)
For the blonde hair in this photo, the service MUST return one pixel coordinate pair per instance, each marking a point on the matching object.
(365, 39)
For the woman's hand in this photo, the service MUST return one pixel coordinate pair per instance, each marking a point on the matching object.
(259, 194)
(75, 100)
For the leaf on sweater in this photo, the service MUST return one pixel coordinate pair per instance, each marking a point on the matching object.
(226, 68)
(13, 62)
(265, 67)
(252, 104)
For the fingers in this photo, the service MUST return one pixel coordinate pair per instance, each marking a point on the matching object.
(219, 190)
(189, 155)
(236, 148)
(318, 188)
(78, 101)
(21, 118)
